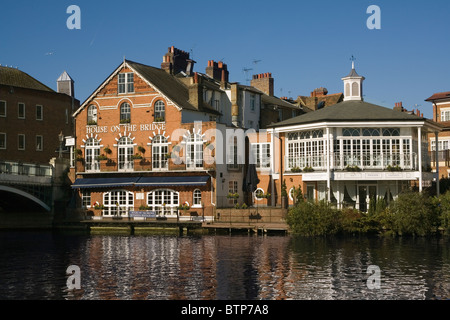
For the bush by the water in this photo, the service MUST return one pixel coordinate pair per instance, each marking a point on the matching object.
(412, 213)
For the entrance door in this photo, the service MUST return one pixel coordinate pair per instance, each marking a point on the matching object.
(366, 194)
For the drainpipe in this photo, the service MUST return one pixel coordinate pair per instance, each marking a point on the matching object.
(438, 191)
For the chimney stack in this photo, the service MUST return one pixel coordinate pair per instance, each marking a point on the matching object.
(263, 82)
(399, 106)
(176, 60)
(217, 70)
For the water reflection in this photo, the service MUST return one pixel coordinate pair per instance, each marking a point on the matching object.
(32, 266)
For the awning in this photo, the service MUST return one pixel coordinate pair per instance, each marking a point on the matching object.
(86, 183)
(172, 181)
(104, 182)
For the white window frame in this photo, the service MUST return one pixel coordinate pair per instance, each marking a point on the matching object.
(445, 115)
(118, 202)
(125, 112)
(39, 144)
(261, 155)
(125, 152)
(86, 198)
(41, 108)
(18, 142)
(197, 198)
(160, 111)
(18, 110)
(92, 114)
(164, 202)
(194, 151)
(125, 83)
(160, 148)
(91, 153)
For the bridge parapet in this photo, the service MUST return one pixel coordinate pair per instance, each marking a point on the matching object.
(19, 172)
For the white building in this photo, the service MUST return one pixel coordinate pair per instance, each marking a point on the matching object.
(353, 151)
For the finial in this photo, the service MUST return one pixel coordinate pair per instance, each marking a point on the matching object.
(352, 59)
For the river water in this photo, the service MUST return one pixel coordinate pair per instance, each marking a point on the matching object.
(221, 267)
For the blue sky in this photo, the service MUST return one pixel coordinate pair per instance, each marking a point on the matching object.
(304, 44)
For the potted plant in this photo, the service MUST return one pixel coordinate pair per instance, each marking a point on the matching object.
(107, 150)
(102, 157)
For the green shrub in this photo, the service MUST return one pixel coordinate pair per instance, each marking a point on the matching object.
(442, 205)
(314, 219)
(414, 214)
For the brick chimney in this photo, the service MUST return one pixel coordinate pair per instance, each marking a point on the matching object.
(399, 106)
(319, 92)
(217, 70)
(196, 92)
(176, 60)
(263, 82)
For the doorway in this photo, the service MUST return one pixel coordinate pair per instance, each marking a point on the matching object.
(366, 194)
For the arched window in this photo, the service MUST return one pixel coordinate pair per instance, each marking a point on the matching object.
(125, 153)
(118, 202)
(160, 149)
(355, 89)
(347, 89)
(92, 115)
(160, 111)
(92, 151)
(163, 201)
(197, 198)
(125, 113)
(194, 151)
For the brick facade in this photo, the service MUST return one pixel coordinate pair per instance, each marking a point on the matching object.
(53, 118)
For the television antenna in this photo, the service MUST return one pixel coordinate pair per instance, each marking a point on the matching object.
(246, 70)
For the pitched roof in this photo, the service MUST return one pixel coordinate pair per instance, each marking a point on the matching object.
(64, 77)
(353, 74)
(439, 96)
(16, 78)
(350, 111)
(164, 82)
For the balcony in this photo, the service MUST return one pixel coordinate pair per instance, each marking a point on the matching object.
(443, 158)
(353, 162)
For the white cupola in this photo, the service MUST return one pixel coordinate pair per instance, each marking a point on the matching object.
(353, 89)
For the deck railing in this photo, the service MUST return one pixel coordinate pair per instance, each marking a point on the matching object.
(364, 161)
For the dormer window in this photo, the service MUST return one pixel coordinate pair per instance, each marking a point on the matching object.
(126, 83)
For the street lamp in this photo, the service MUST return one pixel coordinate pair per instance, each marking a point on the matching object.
(61, 139)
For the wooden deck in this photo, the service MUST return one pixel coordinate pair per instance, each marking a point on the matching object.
(174, 226)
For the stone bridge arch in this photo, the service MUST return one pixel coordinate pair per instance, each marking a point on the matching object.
(26, 195)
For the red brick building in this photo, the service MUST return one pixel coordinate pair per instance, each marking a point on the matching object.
(441, 115)
(32, 115)
(166, 140)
